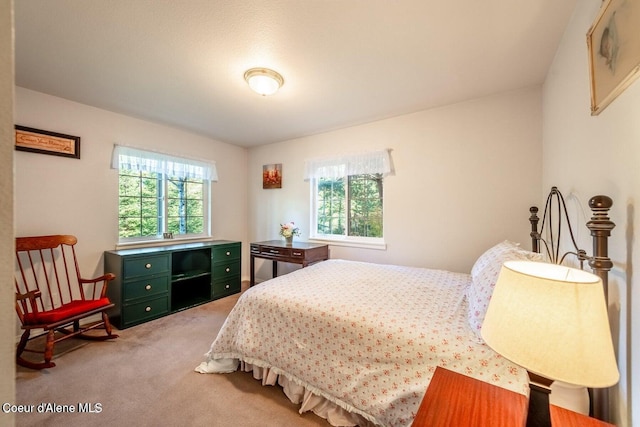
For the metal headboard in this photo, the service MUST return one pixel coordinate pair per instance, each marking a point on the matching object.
(600, 226)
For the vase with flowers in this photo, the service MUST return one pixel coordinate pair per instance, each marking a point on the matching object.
(288, 230)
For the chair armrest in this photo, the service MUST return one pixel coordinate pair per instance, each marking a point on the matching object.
(21, 306)
(31, 296)
(106, 278)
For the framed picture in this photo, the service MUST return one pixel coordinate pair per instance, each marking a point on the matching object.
(45, 142)
(614, 51)
(272, 176)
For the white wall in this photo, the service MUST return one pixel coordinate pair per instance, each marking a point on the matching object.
(58, 195)
(465, 177)
(7, 296)
(465, 174)
(585, 156)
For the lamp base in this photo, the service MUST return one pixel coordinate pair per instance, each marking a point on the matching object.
(538, 414)
(569, 396)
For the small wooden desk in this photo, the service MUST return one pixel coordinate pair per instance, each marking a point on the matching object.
(453, 399)
(278, 251)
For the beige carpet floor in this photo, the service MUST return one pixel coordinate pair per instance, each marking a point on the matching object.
(146, 378)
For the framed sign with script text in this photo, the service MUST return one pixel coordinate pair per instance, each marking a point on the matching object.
(45, 142)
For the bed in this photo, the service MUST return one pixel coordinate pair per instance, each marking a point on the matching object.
(357, 343)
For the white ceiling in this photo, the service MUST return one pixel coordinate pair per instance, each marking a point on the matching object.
(345, 62)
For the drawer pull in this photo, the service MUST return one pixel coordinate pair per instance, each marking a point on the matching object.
(227, 269)
(227, 286)
(147, 309)
(148, 287)
(273, 251)
(228, 253)
(297, 253)
(147, 265)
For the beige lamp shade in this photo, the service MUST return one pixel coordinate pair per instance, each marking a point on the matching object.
(552, 320)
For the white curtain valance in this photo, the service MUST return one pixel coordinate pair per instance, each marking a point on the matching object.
(350, 164)
(134, 159)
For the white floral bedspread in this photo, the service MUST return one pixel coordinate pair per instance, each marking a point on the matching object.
(367, 337)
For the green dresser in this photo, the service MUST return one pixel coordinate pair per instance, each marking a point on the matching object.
(157, 281)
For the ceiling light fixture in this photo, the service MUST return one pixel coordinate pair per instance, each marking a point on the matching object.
(263, 80)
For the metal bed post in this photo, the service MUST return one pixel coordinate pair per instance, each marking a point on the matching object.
(600, 226)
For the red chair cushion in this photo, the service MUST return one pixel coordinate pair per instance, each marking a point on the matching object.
(65, 311)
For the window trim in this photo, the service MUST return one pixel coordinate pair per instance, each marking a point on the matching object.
(352, 242)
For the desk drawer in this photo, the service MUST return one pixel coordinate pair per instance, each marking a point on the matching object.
(145, 310)
(276, 252)
(146, 288)
(146, 266)
(297, 253)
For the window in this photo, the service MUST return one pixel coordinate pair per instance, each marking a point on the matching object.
(351, 207)
(347, 197)
(160, 194)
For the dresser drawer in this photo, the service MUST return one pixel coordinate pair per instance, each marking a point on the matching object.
(145, 310)
(146, 266)
(226, 252)
(226, 269)
(146, 288)
(226, 286)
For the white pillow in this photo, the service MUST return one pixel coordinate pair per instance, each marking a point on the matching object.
(484, 275)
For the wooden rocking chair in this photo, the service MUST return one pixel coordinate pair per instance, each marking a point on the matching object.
(52, 296)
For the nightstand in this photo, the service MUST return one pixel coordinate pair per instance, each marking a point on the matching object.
(453, 399)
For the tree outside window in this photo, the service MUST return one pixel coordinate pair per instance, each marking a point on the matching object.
(160, 194)
(151, 205)
(350, 207)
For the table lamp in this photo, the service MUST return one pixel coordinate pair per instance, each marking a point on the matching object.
(551, 320)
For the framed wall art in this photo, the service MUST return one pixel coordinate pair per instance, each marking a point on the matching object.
(45, 142)
(272, 176)
(613, 42)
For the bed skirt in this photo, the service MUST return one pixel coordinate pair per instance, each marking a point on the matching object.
(298, 394)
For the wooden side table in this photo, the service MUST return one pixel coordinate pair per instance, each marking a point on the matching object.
(303, 253)
(566, 418)
(453, 399)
